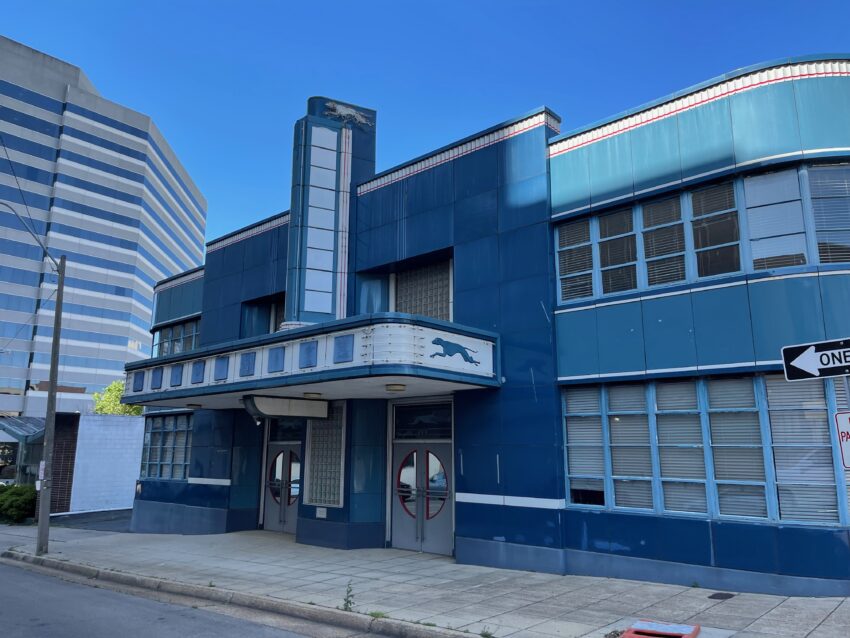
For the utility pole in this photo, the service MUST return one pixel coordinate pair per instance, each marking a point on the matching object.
(50, 418)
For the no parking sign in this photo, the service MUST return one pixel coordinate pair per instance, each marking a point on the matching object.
(842, 422)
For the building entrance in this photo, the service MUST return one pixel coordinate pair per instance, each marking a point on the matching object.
(283, 487)
(422, 479)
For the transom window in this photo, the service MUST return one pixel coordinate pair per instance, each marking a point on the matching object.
(754, 447)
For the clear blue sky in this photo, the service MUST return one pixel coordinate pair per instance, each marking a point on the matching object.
(225, 80)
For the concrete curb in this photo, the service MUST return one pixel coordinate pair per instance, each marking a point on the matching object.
(325, 615)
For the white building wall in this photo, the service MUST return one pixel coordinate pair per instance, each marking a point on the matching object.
(109, 454)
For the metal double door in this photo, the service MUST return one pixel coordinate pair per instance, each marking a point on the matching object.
(283, 487)
(422, 509)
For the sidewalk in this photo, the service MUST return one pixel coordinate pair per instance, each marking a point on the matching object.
(434, 591)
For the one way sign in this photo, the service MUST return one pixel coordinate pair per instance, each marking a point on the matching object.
(817, 360)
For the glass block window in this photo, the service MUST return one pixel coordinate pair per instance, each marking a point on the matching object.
(426, 291)
(775, 220)
(631, 460)
(181, 337)
(715, 230)
(585, 446)
(802, 450)
(830, 186)
(680, 446)
(736, 445)
(167, 443)
(618, 251)
(664, 241)
(575, 260)
(325, 457)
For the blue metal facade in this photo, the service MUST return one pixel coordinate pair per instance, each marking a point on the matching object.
(638, 277)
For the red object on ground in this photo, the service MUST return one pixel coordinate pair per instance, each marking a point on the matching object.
(652, 629)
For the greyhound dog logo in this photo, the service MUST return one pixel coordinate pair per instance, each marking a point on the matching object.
(346, 113)
(450, 349)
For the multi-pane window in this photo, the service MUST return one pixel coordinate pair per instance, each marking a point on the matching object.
(575, 259)
(631, 459)
(426, 291)
(585, 446)
(736, 447)
(680, 446)
(617, 251)
(715, 230)
(325, 454)
(830, 186)
(802, 451)
(664, 241)
(167, 443)
(775, 220)
(177, 338)
(697, 447)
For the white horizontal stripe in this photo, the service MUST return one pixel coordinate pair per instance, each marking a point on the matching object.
(207, 481)
(245, 234)
(192, 276)
(511, 501)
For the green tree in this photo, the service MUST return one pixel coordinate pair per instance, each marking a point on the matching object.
(109, 401)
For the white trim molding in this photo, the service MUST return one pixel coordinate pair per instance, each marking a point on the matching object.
(249, 232)
(774, 75)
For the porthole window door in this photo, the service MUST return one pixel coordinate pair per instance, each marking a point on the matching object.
(283, 487)
(421, 479)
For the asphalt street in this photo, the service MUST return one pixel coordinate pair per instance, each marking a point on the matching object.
(34, 605)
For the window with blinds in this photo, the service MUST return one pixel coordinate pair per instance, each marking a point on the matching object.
(631, 459)
(585, 446)
(802, 450)
(680, 446)
(166, 446)
(618, 251)
(575, 260)
(830, 187)
(664, 241)
(775, 220)
(426, 291)
(715, 230)
(736, 446)
(325, 458)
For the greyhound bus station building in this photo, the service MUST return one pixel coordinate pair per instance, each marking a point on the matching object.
(531, 349)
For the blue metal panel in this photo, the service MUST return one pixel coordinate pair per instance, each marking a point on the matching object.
(530, 415)
(427, 232)
(522, 251)
(822, 107)
(247, 364)
(723, 326)
(621, 343)
(751, 547)
(276, 359)
(705, 138)
(823, 553)
(308, 354)
(479, 463)
(476, 172)
(570, 179)
(479, 308)
(343, 348)
(474, 520)
(476, 216)
(668, 325)
(531, 526)
(198, 371)
(576, 335)
(529, 470)
(784, 312)
(523, 203)
(764, 123)
(221, 365)
(610, 166)
(835, 293)
(156, 378)
(476, 264)
(429, 189)
(655, 154)
(522, 156)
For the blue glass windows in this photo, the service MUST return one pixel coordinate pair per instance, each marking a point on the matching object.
(575, 259)
(664, 241)
(715, 230)
(618, 251)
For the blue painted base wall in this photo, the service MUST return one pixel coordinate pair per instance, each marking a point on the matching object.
(339, 535)
(156, 517)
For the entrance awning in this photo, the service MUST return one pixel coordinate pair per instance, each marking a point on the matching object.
(23, 429)
(382, 356)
